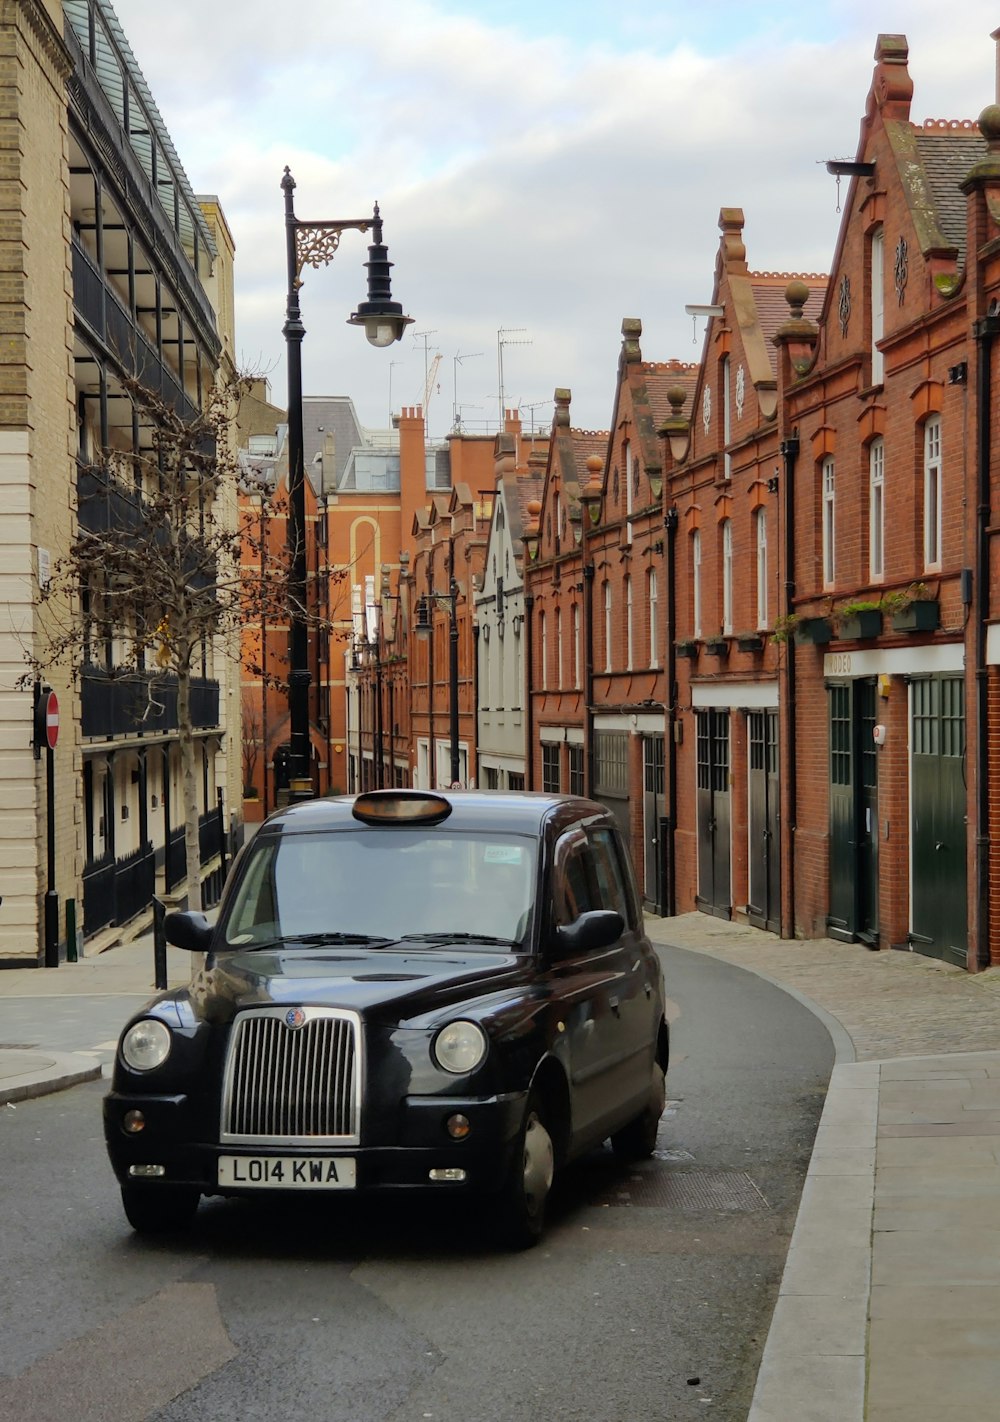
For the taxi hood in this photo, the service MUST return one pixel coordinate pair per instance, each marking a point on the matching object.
(397, 982)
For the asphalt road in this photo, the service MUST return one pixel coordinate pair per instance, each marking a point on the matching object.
(650, 1296)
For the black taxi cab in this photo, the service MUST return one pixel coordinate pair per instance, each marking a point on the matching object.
(404, 989)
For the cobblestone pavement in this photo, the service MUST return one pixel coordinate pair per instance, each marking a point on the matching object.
(891, 1003)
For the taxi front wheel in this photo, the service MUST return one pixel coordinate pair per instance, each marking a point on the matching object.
(163, 1209)
(521, 1212)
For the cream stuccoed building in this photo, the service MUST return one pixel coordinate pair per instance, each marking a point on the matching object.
(500, 616)
(111, 268)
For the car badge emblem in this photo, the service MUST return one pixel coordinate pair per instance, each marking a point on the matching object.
(294, 1017)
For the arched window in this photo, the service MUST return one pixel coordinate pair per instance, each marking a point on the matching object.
(629, 499)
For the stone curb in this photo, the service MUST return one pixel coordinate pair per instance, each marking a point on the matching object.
(60, 1070)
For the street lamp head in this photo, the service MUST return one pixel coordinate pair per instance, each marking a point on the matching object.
(381, 317)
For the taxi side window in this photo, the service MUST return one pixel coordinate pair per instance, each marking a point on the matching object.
(611, 879)
(575, 889)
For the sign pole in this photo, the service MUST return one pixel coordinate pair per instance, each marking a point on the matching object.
(51, 897)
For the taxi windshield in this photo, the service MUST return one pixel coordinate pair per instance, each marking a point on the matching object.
(385, 884)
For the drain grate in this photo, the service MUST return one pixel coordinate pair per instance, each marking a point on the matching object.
(687, 1190)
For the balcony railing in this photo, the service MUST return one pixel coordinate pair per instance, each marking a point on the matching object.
(140, 703)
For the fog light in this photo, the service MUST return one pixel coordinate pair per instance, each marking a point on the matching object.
(146, 1172)
(450, 1174)
(134, 1121)
(458, 1127)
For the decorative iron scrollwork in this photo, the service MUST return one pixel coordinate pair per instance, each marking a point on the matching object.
(902, 270)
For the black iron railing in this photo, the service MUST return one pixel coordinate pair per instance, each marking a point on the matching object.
(141, 702)
(115, 890)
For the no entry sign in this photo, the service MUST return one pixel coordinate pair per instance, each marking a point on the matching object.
(51, 720)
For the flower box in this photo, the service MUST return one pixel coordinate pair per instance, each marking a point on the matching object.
(856, 626)
(750, 641)
(687, 649)
(814, 629)
(717, 646)
(921, 615)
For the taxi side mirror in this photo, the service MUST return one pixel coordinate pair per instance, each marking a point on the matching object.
(597, 929)
(188, 930)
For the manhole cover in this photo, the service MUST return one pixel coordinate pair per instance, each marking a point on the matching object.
(687, 1190)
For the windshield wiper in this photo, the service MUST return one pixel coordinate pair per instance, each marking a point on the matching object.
(371, 940)
(460, 938)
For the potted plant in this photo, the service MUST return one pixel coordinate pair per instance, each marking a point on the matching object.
(750, 641)
(858, 619)
(785, 625)
(686, 648)
(913, 609)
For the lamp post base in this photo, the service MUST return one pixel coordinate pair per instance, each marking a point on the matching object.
(300, 790)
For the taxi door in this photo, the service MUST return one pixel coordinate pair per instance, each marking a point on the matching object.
(587, 992)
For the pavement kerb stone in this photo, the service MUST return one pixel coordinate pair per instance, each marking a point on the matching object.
(40, 1073)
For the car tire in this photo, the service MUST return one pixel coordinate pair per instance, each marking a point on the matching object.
(521, 1212)
(637, 1140)
(165, 1209)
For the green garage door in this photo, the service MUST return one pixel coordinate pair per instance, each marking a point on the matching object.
(939, 890)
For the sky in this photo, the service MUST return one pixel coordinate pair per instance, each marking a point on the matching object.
(544, 169)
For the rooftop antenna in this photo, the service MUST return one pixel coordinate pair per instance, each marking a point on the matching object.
(456, 408)
(538, 405)
(391, 364)
(422, 336)
(504, 335)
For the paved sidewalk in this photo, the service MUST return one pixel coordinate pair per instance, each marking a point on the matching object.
(889, 1306)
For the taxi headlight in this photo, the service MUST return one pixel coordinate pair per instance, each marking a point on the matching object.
(146, 1045)
(459, 1047)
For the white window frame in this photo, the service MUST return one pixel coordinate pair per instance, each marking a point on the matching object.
(629, 626)
(559, 648)
(544, 639)
(876, 510)
(627, 467)
(760, 530)
(653, 591)
(932, 492)
(576, 645)
(727, 417)
(727, 577)
(877, 298)
(696, 582)
(607, 624)
(828, 475)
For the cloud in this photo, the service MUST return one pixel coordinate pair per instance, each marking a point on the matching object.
(555, 170)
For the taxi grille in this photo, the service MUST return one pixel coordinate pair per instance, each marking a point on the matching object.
(287, 1085)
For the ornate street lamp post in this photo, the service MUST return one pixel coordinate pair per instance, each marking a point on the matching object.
(315, 244)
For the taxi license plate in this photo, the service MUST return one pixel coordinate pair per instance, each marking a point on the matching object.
(287, 1172)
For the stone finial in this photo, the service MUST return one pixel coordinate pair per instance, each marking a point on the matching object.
(734, 252)
(595, 482)
(676, 395)
(534, 513)
(892, 87)
(562, 399)
(631, 331)
(798, 334)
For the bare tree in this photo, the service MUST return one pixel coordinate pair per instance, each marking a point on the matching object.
(251, 737)
(157, 580)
